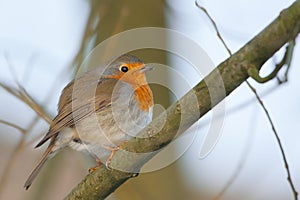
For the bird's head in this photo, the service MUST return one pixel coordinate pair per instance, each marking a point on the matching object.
(131, 70)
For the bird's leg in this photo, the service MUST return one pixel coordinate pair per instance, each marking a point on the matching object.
(92, 169)
(113, 151)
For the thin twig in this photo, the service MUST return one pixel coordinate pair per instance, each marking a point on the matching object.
(28, 100)
(23, 95)
(15, 126)
(215, 26)
(295, 193)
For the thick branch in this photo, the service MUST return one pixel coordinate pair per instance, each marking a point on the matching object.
(210, 91)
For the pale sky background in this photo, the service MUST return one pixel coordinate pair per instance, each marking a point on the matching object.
(47, 33)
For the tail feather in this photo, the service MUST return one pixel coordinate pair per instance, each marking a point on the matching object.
(37, 169)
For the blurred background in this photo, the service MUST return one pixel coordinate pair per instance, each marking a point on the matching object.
(42, 45)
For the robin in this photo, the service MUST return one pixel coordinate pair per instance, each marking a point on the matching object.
(100, 110)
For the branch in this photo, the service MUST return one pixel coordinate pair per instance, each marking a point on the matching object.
(229, 75)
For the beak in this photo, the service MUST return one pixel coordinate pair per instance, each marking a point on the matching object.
(146, 68)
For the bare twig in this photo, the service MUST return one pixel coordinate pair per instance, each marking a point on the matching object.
(23, 95)
(19, 128)
(28, 100)
(215, 26)
(295, 193)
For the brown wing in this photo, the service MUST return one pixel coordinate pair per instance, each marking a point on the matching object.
(78, 101)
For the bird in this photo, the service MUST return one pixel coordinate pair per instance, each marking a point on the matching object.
(99, 111)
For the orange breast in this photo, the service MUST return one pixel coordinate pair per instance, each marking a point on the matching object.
(144, 98)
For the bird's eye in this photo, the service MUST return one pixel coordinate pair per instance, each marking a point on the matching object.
(124, 69)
